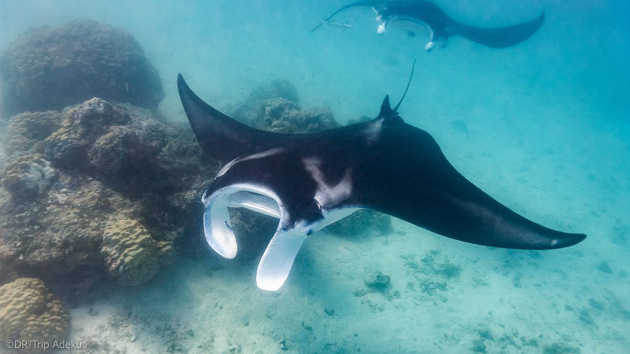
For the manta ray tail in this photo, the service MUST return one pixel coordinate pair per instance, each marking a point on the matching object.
(501, 37)
(220, 136)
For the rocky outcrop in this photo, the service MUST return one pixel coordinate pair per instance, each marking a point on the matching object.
(50, 68)
(26, 131)
(102, 165)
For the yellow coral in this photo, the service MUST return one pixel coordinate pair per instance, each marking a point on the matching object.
(29, 312)
(131, 255)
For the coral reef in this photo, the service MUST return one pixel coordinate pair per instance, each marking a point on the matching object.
(100, 138)
(28, 176)
(102, 163)
(30, 312)
(131, 255)
(250, 108)
(275, 108)
(60, 233)
(283, 116)
(27, 131)
(51, 68)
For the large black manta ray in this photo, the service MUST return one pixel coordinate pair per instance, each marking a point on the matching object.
(440, 25)
(309, 181)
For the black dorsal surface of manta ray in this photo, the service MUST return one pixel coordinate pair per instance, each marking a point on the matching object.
(440, 25)
(309, 181)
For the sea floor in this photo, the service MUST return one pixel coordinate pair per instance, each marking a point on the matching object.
(443, 296)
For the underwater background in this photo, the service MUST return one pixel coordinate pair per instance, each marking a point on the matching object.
(543, 127)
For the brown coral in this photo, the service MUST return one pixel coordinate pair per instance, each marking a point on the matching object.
(107, 160)
(283, 116)
(30, 312)
(131, 254)
(250, 108)
(27, 130)
(51, 68)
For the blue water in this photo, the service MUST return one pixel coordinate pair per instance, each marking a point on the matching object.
(548, 134)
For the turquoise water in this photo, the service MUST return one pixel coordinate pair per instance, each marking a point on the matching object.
(548, 134)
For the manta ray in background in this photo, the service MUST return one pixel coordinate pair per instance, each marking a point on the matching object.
(440, 25)
(309, 181)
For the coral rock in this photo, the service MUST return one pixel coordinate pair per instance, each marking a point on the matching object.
(378, 281)
(131, 254)
(283, 116)
(108, 161)
(28, 176)
(250, 108)
(82, 125)
(29, 312)
(51, 68)
(91, 116)
(27, 130)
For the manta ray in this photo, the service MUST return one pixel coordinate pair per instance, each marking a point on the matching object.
(309, 181)
(440, 25)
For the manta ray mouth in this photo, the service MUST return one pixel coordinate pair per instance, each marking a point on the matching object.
(277, 261)
(216, 218)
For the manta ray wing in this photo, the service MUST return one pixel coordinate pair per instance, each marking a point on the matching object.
(415, 182)
(220, 136)
(500, 37)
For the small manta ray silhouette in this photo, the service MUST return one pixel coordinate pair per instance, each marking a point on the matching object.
(441, 26)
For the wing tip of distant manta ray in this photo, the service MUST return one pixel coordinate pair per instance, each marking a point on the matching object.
(501, 37)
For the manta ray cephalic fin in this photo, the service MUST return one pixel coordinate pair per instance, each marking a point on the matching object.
(276, 262)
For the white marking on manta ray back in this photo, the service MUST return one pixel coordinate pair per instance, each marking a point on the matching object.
(328, 196)
(373, 131)
(259, 155)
